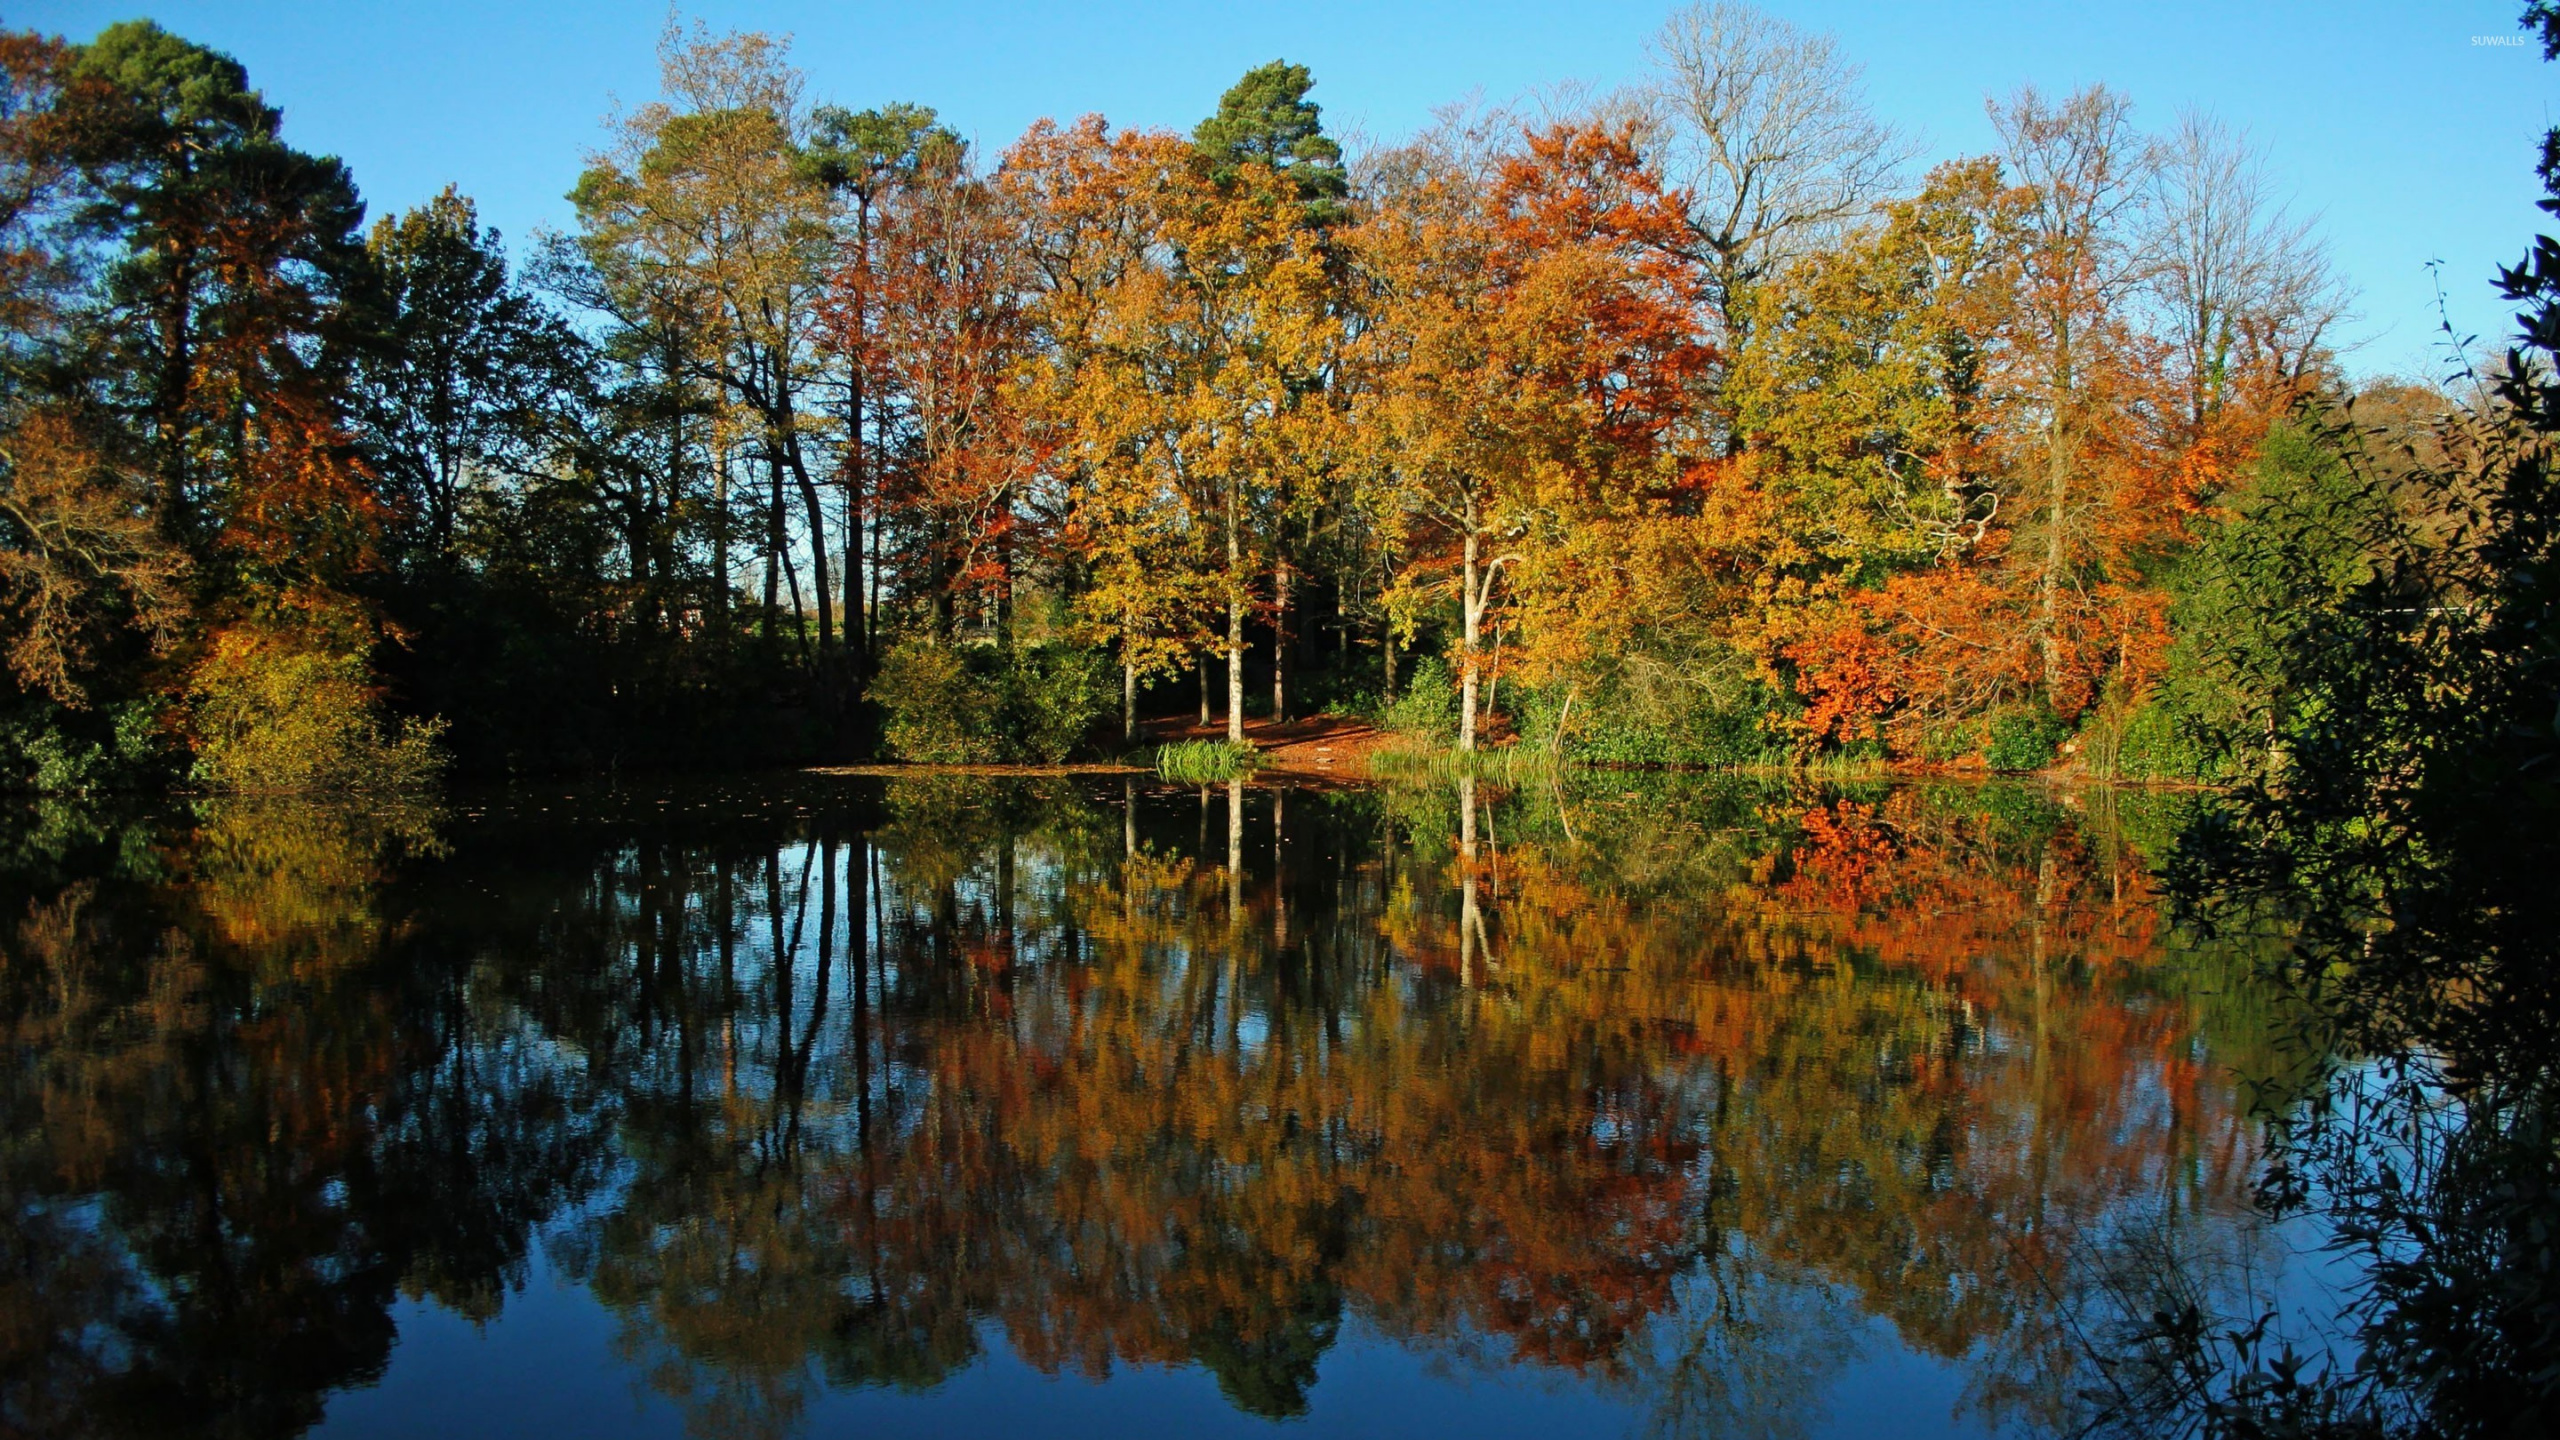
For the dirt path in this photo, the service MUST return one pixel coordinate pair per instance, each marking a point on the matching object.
(1330, 746)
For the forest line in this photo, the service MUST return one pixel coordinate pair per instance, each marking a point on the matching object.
(1680, 424)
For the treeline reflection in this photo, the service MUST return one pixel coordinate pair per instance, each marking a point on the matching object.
(1669, 1087)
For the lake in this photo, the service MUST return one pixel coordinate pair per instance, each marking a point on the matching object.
(1614, 1105)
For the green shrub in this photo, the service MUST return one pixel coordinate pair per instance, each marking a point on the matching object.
(57, 751)
(274, 710)
(1054, 696)
(2023, 738)
(976, 705)
(1620, 722)
(935, 708)
(2155, 743)
(1428, 708)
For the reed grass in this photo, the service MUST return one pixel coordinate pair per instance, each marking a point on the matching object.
(1206, 762)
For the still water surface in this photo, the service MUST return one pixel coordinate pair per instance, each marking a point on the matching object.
(1098, 1107)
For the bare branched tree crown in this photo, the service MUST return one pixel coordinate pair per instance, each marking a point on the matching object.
(2244, 283)
(1766, 129)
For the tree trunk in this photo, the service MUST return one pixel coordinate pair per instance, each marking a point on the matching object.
(857, 619)
(818, 559)
(1128, 703)
(176, 383)
(1280, 642)
(799, 615)
(1235, 616)
(720, 520)
(1235, 672)
(772, 542)
(876, 542)
(1004, 582)
(2057, 497)
(1471, 602)
(820, 564)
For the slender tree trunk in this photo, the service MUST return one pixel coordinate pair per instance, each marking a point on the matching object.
(1128, 702)
(720, 525)
(175, 392)
(773, 542)
(1280, 642)
(799, 616)
(1235, 671)
(820, 563)
(1203, 672)
(1471, 603)
(788, 430)
(2057, 498)
(1235, 618)
(635, 540)
(857, 476)
(1004, 581)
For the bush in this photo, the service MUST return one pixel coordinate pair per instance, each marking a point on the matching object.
(1649, 718)
(1428, 708)
(2156, 743)
(1054, 696)
(976, 705)
(56, 751)
(936, 709)
(2023, 738)
(277, 710)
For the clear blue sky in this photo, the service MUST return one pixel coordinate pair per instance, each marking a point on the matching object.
(2415, 143)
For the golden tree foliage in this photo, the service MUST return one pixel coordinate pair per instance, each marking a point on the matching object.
(1680, 407)
(85, 558)
(1186, 392)
(1530, 368)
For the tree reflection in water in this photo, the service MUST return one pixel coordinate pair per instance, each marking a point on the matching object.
(1676, 1089)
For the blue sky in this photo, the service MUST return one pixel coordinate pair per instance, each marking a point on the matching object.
(2412, 141)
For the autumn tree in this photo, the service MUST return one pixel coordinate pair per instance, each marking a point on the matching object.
(38, 283)
(705, 207)
(234, 249)
(2249, 302)
(1206, 366)
(1878, 396)
(1536, 351)
(1266, 119)
(83, 565)
(2084, 172)
(951, 331)
(1091, 203)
